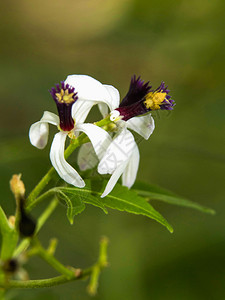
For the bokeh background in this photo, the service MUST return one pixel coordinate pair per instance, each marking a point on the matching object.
(181, 42)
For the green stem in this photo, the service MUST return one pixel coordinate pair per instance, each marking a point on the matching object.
(52, 261)
(76, 274)
(9, 237)
(96, 269)
(40, 186)
(52, 246)
(39, 199)
(82, 139)
(42, 283)
(4, 224)
(93, 284)
(45, 215)
(103, 257)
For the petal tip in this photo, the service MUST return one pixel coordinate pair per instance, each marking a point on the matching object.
(103, 195)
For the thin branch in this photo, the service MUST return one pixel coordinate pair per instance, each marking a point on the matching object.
(52, 261)
(96, 269)
(42, 283)
(76, 274)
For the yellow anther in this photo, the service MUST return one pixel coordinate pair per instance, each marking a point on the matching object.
(154, 100)
(71, 135)
(59, 96)
(65, 97)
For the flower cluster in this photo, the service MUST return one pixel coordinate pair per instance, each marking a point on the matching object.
(113, 149)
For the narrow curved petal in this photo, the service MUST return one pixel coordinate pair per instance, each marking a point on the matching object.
(38, 132)
(50, 118)
(118, 152)
(87, 159)
(130, 173)
(128, 169)
(99, 138)
(114, 178)
(103, 108)
(114, 96)
(143, 125)
(113, 103)
(81, 109)
(65, 171)
(89, 88)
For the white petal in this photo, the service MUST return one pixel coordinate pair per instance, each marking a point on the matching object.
(99, 138)
(104, 110)
(130, 173)
(81, 109)
(143, 125)
(113, 103)
(65, 171)
(114, 96)
(50, 118)
(87, 159)
(114, 178)
(38, 132)
(89, 88)
(118, 152)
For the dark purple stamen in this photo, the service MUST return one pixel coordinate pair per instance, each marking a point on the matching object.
(133, 103)
(168, 103)
(64, 105)
(137, 90)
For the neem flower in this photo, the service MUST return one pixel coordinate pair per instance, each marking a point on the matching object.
(74, 98)
(122, 155)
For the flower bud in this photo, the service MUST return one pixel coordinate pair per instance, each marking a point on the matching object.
(26, 224)
(17, 186)
(10, 266)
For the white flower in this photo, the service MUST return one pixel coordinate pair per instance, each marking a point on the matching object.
(74, 99)
(122, 155)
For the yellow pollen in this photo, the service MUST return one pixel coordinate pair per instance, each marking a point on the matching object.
(154, 99)
(71, 135)
(65, 97)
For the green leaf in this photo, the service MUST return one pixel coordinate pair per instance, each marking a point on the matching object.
(123, 199)
(74, 204)
(76, 198)
(153, 192)
(120, 198)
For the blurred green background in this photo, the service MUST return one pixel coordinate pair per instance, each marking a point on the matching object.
(180, 42)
